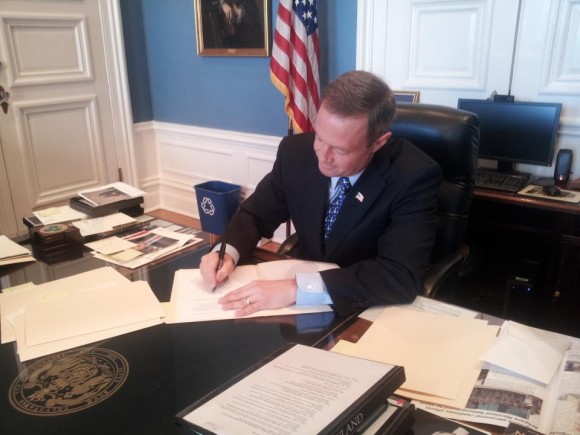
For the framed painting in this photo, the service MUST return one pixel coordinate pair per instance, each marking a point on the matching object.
(406, 96)
(233, 27)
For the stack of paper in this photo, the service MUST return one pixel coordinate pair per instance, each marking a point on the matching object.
(11, 252)
(441, 354)
(75, 311)
(105, 224)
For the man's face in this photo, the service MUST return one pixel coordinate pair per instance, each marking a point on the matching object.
(341, 144)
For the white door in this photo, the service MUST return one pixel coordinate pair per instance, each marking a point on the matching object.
(67, 123)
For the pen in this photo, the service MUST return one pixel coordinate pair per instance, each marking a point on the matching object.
(221, 255)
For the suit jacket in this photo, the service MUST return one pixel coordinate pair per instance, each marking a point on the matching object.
(383, 236)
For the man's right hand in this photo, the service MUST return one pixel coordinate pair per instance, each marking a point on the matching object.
(208, 268)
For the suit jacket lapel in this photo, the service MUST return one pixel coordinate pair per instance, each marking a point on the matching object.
(312, 189)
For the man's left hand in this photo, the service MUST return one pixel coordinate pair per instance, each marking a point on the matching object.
(260, 295)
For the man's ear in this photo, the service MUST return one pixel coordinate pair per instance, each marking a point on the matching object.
(382, 140)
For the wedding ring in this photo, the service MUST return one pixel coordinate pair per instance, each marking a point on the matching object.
(248, 301)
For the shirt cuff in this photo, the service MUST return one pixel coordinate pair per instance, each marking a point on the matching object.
(311, 289)
(230, 250)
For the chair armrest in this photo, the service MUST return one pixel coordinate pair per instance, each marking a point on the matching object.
(442, 269)
(288, 245)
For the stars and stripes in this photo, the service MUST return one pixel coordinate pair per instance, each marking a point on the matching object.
(294, 62)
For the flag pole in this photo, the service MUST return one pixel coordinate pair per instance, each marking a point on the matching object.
(289, 222)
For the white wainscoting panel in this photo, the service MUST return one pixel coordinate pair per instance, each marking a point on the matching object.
(173, 158)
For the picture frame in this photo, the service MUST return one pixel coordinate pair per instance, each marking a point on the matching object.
(406, 96)
(233, 27)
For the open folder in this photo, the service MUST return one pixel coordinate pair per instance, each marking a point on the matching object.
(441, 354)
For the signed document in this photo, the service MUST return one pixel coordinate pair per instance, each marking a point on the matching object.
(296, 391)
(192, 300)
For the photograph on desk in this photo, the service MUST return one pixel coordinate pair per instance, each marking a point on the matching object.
(110, 193)
(141, 246)
(427, 423)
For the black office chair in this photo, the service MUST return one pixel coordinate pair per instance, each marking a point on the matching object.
(451, 137)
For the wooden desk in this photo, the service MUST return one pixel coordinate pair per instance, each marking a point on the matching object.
(515, 238)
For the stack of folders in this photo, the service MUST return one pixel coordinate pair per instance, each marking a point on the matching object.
(11, 252)
(298, 389)
(80, 309)
(109, 199)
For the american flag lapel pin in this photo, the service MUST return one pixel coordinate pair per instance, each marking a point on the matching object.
(360, 197)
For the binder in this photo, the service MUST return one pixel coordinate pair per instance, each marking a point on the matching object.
(130, 207)
(201, 418)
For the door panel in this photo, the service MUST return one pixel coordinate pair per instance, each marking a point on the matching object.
(59, 161)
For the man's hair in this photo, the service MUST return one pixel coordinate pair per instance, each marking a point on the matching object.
(359, 93)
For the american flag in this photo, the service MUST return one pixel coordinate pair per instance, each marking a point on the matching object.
(294, 62)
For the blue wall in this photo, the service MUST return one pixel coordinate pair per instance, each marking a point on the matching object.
(169, 82)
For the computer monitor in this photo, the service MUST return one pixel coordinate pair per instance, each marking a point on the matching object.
(515, 132)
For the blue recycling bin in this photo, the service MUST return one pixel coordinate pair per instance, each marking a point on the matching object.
(217, 201)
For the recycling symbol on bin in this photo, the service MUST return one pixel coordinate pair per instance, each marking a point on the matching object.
(207, 206)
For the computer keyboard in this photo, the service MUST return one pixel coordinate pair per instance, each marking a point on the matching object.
(501, 181)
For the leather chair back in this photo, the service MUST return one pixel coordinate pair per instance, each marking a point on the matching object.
(451, 137)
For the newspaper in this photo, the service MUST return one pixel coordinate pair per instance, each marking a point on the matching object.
(501, 397)
(142, 247)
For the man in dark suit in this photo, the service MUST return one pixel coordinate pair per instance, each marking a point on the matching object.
(384, 232)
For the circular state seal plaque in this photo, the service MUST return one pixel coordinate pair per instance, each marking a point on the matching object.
(68, 381)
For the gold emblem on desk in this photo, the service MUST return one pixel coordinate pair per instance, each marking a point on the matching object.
(69, 381)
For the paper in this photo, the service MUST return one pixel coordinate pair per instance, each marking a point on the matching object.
(449, 346)
(538, 192)
(192, 300)
(110, 245)
(531, 352)
(55, 215)
(104, 224)
(301, 391)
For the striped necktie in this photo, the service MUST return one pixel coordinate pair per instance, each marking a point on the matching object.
(343, 186)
